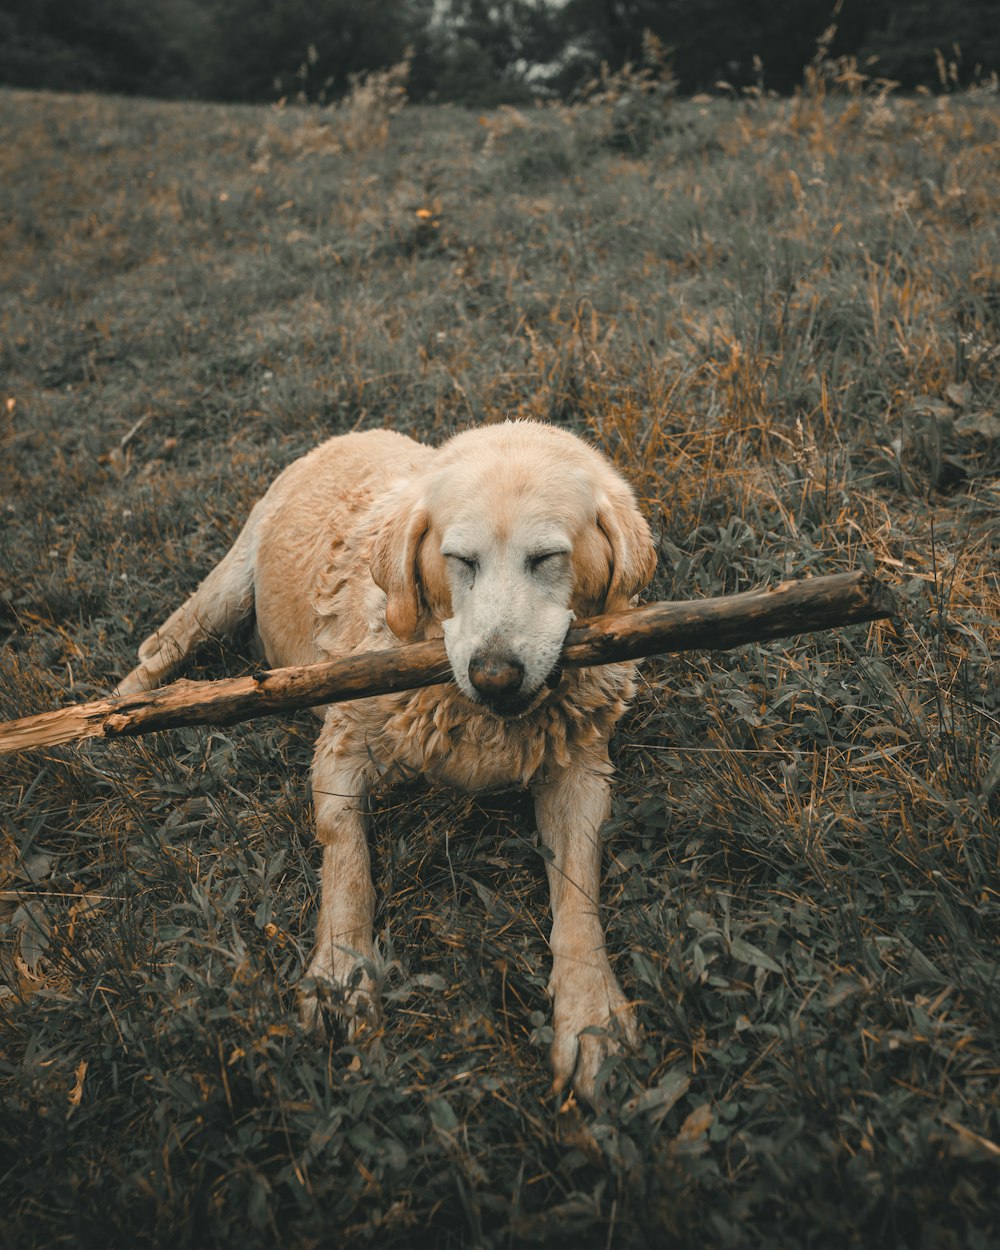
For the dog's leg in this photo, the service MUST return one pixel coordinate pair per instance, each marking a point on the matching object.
(344, 941)
(570, 807)
(221, 602)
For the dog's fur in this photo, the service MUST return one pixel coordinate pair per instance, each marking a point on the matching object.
(495, 541)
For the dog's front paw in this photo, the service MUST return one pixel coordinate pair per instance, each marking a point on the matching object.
(591, 1019)
(344, 1005)
(139, 681)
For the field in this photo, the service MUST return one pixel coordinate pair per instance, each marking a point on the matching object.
(782, 320)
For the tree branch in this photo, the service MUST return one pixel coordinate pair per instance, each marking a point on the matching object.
(707, 624)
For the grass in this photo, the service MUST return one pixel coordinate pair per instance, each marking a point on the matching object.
(782, 319)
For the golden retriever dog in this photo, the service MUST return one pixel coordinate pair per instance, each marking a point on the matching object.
(494, 541)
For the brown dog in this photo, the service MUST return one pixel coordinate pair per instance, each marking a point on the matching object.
(495, 541)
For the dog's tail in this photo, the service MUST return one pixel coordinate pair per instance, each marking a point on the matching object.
(221, 602)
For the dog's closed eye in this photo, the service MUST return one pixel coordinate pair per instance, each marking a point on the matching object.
(547, 561)
(468, 565)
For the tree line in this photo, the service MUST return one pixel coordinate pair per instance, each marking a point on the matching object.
(480, 52)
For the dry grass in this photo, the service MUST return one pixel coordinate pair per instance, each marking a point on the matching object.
(782, 318)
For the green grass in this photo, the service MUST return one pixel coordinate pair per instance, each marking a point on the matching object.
(783, 321)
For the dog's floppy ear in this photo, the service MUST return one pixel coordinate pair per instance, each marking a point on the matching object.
(434, 578)
(633, 556)
(395, 568)
(592, 565)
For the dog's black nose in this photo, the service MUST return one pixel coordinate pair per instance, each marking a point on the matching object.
(496, 677)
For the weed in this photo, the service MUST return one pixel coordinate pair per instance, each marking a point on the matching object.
(356, 123)
(630, 107)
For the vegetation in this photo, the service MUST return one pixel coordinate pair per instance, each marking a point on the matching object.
(782, 319)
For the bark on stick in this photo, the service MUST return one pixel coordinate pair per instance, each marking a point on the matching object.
(790, 608)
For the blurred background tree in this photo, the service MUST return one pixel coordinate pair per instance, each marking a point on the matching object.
(965, 32)
(124, 46)
(479, 52)
(264, 49)
(716, 40)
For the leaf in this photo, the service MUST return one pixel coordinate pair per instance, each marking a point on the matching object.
(442, 1115)
(36, 866)
(919, 963)
(76, 1093)
(992, 780)
(749, 954)
(429, 980)
(959, 393)
(982, 424)
(487, 896)
(362, 1138)
(657, 1101)
(32, 922)
(691, 1137)
(644, 970)
(929, 404)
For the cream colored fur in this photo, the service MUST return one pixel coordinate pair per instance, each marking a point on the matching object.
(494, 541)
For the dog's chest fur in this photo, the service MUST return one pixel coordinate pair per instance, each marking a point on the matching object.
(436, 733)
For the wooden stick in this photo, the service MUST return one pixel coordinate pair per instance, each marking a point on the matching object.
(707, 624)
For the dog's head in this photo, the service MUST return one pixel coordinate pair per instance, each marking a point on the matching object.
(514, 530)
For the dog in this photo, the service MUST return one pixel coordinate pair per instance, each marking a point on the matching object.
(495, 541)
